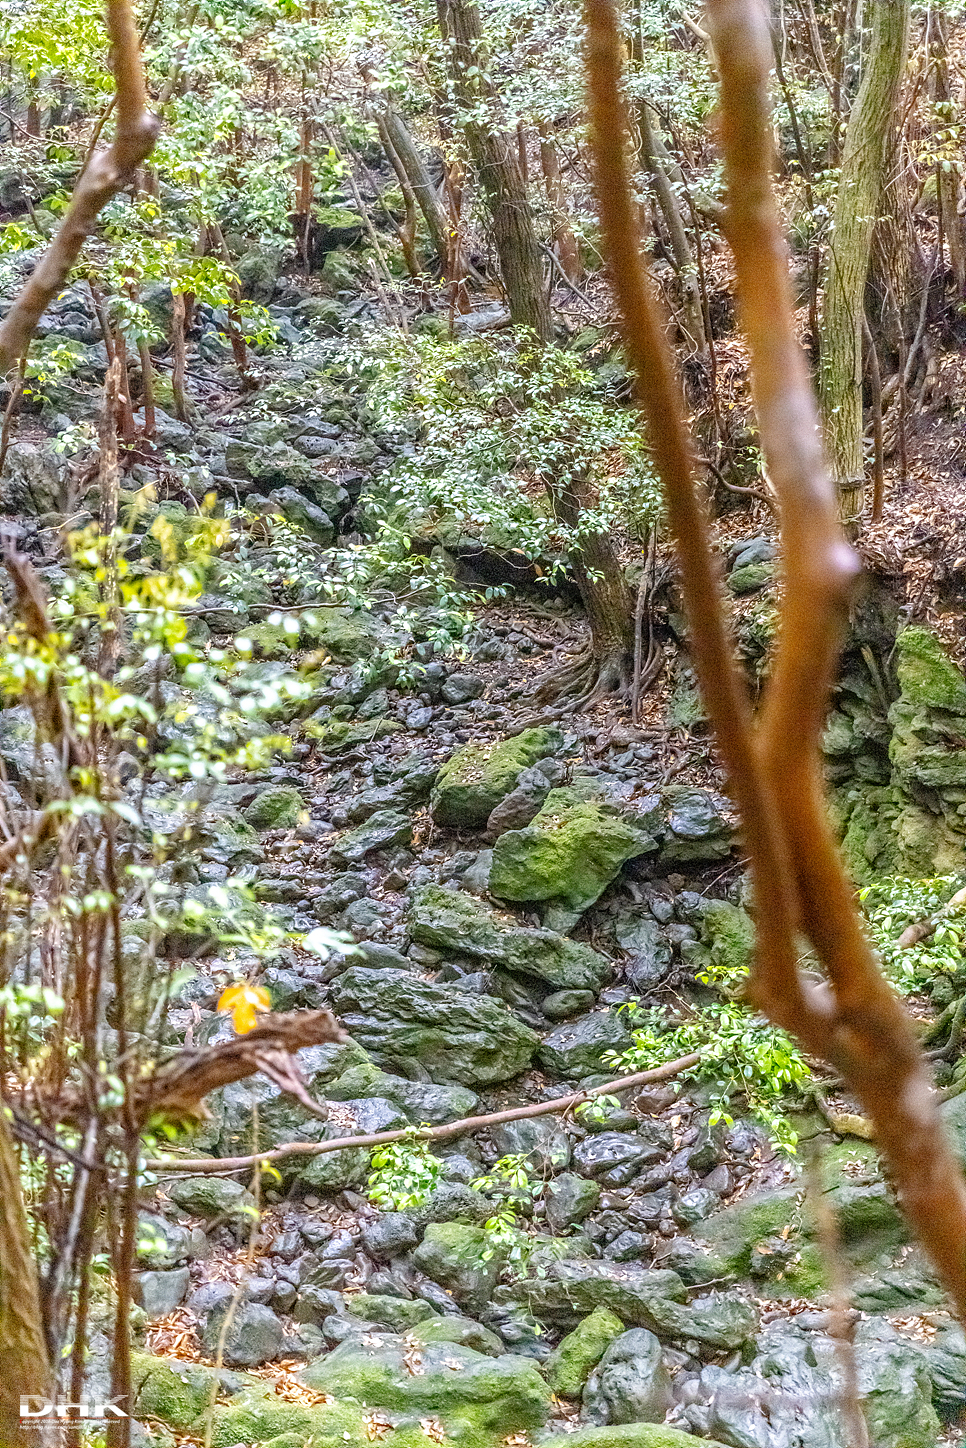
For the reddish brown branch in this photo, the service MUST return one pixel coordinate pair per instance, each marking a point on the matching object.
(800, 881)
(871, 1039)
(105, 174)
(660, 396)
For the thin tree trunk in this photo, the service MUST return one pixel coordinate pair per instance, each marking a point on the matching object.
(497, 163)
(568, 252)
(678, 237)
(397, 140)
(23, 1353)
(178, 368)
(868, 142)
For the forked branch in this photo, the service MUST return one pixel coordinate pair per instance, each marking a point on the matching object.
(106, 173)
(855, 1022)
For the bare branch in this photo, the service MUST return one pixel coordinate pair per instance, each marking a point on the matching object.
(429, 1133)
(660, 396)
(106, 173)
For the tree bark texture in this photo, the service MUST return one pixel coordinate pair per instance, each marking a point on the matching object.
(23, 1352)
(865, 158)
(496, 159)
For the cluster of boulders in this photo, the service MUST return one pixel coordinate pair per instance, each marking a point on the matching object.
(665, 1253)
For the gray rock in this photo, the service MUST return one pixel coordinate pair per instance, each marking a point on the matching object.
(461, 688)
(161, 1292)
(390, 1235)
(541, 1139)
(565, 1003)
(209, 1196)
(379, 832)
(255, 1335)
(697, 823)
(569, 1200)
(461, 1259)
(615, 1157)
(303, 514)
(451, 921)
(161, 1243)
(574, 1287)
(455, 1037)
(576, 1049)
(630, 1383)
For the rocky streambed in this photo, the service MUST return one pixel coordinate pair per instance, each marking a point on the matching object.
(508, 897)
(510, 887)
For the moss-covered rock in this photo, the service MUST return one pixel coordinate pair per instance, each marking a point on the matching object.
(473, 781)
(574, 1287)
(569, 1365)
(278, 808)
(451, 920)
(462, 1259)
(176, 1392)
(751, 577)
(567, 855)
(459, 1038)
(397, 1313)
(927, 677)
(729, 934)
(470, 1393)
(631, 1435)
(258, 1416)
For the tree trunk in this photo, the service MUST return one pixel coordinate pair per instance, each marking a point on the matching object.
(497, 163)
(23, 1352)
(607, 667)
(568, 252)
(868, 144)
(684, 264)
(397, 139)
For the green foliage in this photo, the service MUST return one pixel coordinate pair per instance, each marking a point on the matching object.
(491, 420)
(743, 1058)
(892, 904)
(510, 1181)
(404, 1173)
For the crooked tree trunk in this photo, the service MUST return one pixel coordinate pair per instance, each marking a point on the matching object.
(684, 263)
(865, 157)
(496, 159)
(23, 1352)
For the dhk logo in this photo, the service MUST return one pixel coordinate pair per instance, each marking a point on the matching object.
(32, 1406)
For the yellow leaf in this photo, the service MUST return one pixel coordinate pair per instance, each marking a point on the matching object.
(244, 1002)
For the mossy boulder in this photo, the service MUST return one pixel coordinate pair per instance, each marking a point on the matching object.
(470, 1393)
(567, 855)
(397, 1313)
(729, 934)
(576, 1286)
(347, 634)
(259, 1416)
(569, 1365)
(210, 1196)
(278, 808)
(927, 676)
(630, 1435)
(462, 1259)
(457, 1037)
(451, 920)
(750, 577)
(166, 1388)
(477, 777)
